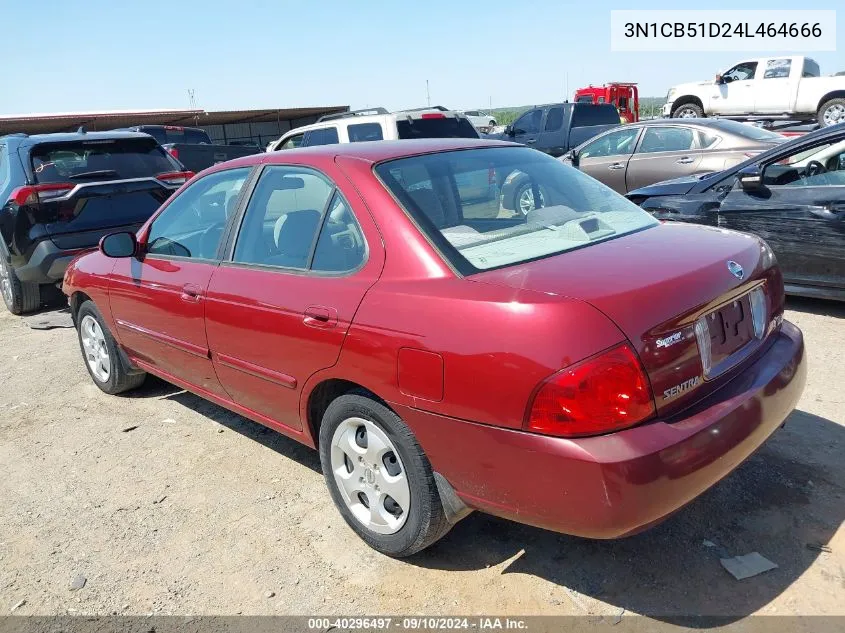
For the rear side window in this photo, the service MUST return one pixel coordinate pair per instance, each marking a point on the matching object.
(293, 142)
(116, 159)
(446, 127)
(365, 132)
(811, 68)
(777, 68)
(584, 115)
(666, 139)
(705, 139)
(554, 120)
(324, 136)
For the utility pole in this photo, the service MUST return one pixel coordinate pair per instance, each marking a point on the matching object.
(427, 94)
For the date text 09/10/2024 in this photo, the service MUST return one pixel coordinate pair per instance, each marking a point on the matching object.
(720, 29)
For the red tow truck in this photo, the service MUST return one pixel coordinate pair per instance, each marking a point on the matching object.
(623, 95)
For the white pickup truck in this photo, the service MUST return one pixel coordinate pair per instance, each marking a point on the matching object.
(767, 88)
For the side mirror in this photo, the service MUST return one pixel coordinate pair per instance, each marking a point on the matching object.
(719, 78)
(750, 178)
(573, 157)
(509, 130)
(119, 245)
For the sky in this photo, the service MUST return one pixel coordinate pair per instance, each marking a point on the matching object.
(60, 56)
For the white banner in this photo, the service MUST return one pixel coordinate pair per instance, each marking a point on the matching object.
(797, 31)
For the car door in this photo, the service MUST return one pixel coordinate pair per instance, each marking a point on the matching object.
(158, 300)
(735, 93)
(606, 157)
(800, 212)
(663, 153)
(550, 139)
(773, 91)
(280, 304)
(526, 128)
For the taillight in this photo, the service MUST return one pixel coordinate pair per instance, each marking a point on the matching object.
(176, 177)
(433, 115)
(173, 152)
(40, 193)
(604, 393)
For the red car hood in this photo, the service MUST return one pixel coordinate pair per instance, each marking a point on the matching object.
(654, 284)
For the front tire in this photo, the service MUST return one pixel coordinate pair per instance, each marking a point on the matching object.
(19, 297)
(103, 360)
(832, 112)
(688, 111)
(379, 477)
(523, 198)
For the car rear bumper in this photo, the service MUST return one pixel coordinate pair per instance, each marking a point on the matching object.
(47, 263)
(618, 484)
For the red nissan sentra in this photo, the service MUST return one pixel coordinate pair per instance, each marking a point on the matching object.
(580, 367)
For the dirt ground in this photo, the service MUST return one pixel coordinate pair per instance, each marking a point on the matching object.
(164, 503)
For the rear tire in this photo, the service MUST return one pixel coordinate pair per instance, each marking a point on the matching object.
(104, 361)
(688, 111)
(19, 297)
(831, 112)
(368, 452)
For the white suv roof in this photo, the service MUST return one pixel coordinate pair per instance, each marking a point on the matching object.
(376, 124)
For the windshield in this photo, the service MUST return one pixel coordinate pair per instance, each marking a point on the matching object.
(101, 159)
(478, 206)
(744, 130)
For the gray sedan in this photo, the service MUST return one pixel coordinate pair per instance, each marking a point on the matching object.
(640, 154)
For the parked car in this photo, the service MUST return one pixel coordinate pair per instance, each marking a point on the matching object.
(641, 154)
(193, 147)
(558, 127)
(793, 196)
(342, 297)
(60, 193)
(481, 120)
(377, 124)
(767, 87)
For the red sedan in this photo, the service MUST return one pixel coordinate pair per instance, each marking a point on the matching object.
(581, 367)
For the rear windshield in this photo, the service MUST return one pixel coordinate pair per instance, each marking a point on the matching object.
(585, 114)
(99, 160)
(463, 201)
(447, 127)
(745, 130)
(187, 135)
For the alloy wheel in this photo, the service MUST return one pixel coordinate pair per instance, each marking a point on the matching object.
(834, 114)
(370, 475)
(6, 284)
(95, 349)
(687, 113)
(526, 200)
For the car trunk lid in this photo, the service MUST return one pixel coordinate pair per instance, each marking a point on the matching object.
(655, 285)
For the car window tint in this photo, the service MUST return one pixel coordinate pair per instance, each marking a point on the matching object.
(740, 72)
(293, 142)
(666, 139)
(554, 119)
(822, 165)
(528, 123)
(193, 223)
(282, 218)
(777, 68)
(340, 247)
(324, 136)
(365, 132)
(612, 144)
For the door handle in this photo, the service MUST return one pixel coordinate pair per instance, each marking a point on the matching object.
(686, 160)
(530, 140)
(191, 293)
(616, 166)
(831, 212)
(320, 316)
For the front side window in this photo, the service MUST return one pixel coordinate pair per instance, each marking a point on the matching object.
(740, 72)
(575, 211)
(324, 136)
(365, 132)
(528, 123)
(777, 68)
(297, 219)
(822, 165)
(666, 139)
(612, 144)
(192, 224)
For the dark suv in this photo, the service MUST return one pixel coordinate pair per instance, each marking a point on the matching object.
(60, 193)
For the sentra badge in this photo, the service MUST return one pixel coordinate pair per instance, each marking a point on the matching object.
(685, 386)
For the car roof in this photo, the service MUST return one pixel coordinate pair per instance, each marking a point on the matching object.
(376, 151)
(70, 137)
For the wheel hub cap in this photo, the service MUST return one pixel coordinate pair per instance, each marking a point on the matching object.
(834, 114)
(94, 348)
(370, 476)
(5, 284)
